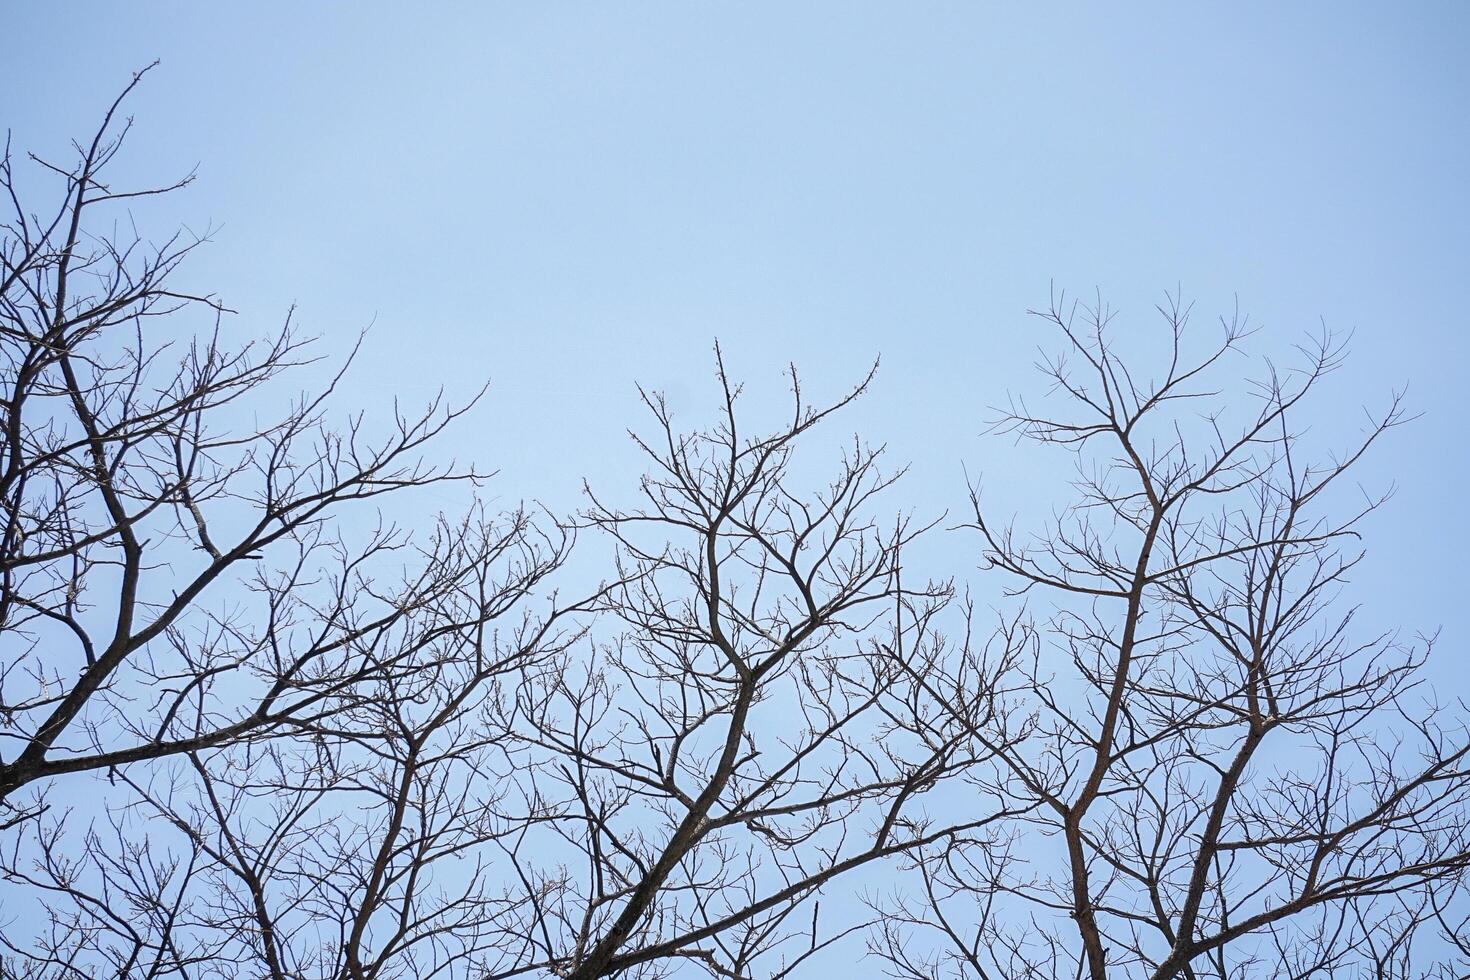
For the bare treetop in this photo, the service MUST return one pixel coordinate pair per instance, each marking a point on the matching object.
(250, 726)
(1242, 786)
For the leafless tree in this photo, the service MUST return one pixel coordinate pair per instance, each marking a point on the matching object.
(1228, 781)
(179, 596)
(748, 735)
(243, 733)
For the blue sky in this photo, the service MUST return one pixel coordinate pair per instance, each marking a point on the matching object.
(566, 198)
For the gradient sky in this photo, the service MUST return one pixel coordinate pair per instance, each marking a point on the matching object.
(566, 198)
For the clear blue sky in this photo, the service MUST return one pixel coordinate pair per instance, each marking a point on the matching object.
(569, 197)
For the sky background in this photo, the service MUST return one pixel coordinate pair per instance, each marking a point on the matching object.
(569, 198)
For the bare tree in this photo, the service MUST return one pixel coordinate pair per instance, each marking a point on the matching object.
(176, 584)
(749, 734)
(301, 745)
(1227, 781)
